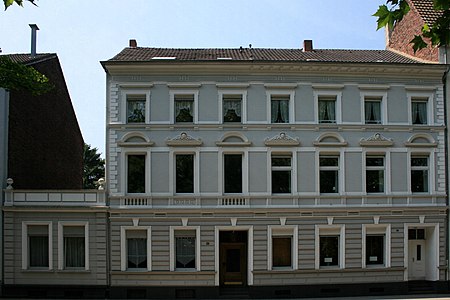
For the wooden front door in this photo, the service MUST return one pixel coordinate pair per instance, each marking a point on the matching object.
(233, 258)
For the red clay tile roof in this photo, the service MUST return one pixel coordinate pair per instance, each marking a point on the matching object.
(425, 10)
(141, 54)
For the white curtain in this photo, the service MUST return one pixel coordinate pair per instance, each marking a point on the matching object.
(184, 110)
(185, 252)
(74, 252)
(232, 111)
(38, 255)
(137, 252)
(280, 111)
(373, 112)
(136, 111)
(419, 112)
(327, 112)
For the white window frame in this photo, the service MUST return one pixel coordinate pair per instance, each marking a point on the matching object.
(291, 94)
(61, 226)
(233, 92)
(385, 168)
(292, 168)
(421, 97)
(340, 168)
(26, 249)
(172, 251)
(173, 93)
(365, 96)
(338, 106)
(377, 229)
(283, 231)
(330, 230)
(431, 171)
(173, 172)
(124, 166)
(123, 246)
(124, 104)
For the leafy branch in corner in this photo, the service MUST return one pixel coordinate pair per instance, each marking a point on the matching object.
(8, 3)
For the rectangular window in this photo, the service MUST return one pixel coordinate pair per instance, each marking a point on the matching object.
(419, 111)
(372, 109)
(327, 109)
(374, 174)
(282, 251)
(375, 249)
(136, 108)
(74, 247)
(184, 108)
(416, 234)
(281, 174)
(232, 108)
(136, 174)
(38, 256)
(232, 173)
(136, 249)
(185, 249)
(329, 250)
(184, 173)
(419, 174)
(279, 108)
(329, 174)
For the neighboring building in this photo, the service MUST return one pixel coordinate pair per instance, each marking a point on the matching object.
(274, 173)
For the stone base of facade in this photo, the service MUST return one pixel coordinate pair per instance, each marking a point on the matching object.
(55, 291)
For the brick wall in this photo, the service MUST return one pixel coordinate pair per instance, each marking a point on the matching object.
(402, 34)
(45, 145)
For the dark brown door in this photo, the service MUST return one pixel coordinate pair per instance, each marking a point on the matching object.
(233, 264)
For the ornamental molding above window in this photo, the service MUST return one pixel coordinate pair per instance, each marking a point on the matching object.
(233, 138)
(184, 139)
(330, 139)
(282, 139)
(135, 139)
(421, 140)
(376, 140)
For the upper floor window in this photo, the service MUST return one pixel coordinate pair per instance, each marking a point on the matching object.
(419, 174)
(329, 174)
(232, 173)
(136, 173)
(279, 108)
(232, 108)
(372, 110)
(184, 108)
(374, 174)
(281, 174)
(419, 111)
(136, 108)
(184, 180)
(327, 109)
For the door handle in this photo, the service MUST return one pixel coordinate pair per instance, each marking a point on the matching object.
(413, 259)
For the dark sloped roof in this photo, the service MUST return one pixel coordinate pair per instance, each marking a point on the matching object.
(26, 58)
(140, 54)
(426, 11)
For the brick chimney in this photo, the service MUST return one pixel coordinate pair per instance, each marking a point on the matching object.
(34, 28)
(307, 46)
(133, 43)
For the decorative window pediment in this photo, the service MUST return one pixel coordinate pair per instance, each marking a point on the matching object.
(135, 139)
(233, 138)
(376, 140)
(421, 140)
(282, 139)
(184, 139)
(330, 139)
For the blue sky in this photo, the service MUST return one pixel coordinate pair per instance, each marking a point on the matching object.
(83, 33)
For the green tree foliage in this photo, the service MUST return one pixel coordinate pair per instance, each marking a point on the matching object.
(8, 3)
(93, 167)
(18, 77)
(438, 34)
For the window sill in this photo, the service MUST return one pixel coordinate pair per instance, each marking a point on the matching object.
(74, 271)
(38, 270)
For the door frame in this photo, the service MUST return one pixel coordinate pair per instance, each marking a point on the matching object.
(249, 230)
(432, 249)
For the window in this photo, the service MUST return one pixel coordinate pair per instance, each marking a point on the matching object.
(136, 108)
(329, 251)
(74, 247)
(281, 251)
(416, 234)
(327, 109)
(419, 174)
(329, 174)
(279, 108)
(376, 245)
(184, 173)
(281, 174)
(185, 249)
(136, 249)
(38, 250)
(375, 249)
(283, 247)
(232, 108)
(372, 110)
(232, 173)
(374, 174)
(184, 108)
(330, 246)
(419, 111)
(136, 173)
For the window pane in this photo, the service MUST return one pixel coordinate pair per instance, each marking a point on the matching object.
(419, 161)
(185, 251)
(419, 112)
(232, 108)
(185, 173)
(281, 161)
(184, 108)
(233, 173)
(281, 182)
(374, 161)
(280, 109)
(136, 173)
(329, 161)
(372, 112)
(419, 181)
(38, 251)
(136, 108)
(375, 181)
(374, 249)
(327, 110)
(329, 250)
(329, 181)
(137, 252)
(281, 251)
(74, 253)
